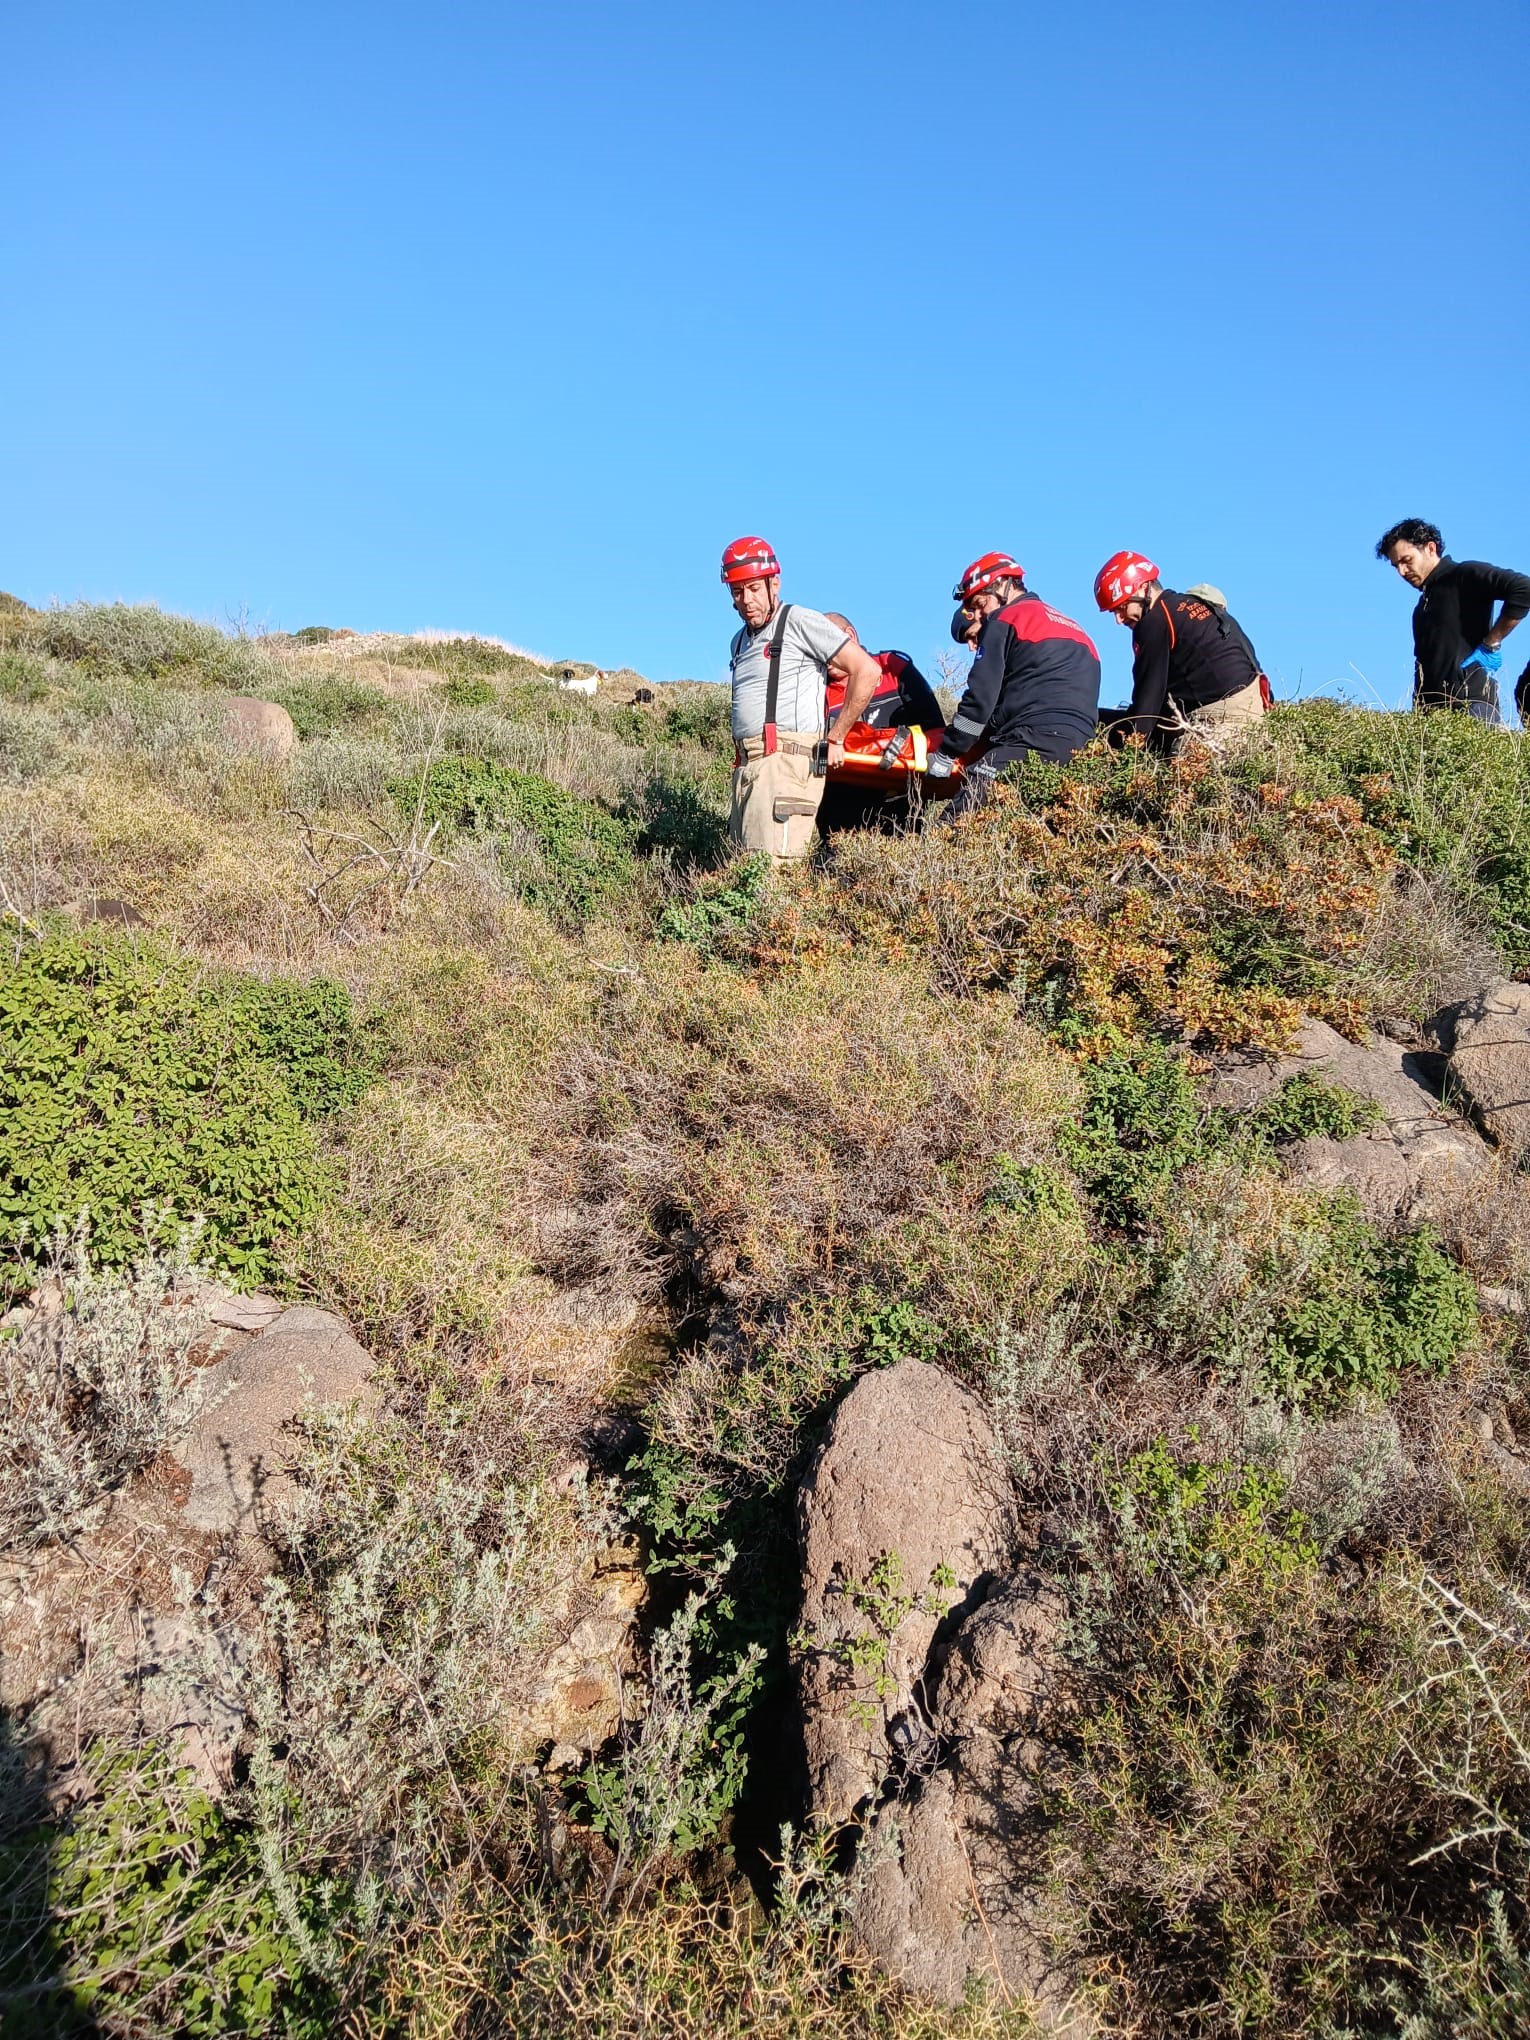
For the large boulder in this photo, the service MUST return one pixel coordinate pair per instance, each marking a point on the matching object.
(1488, 1040)
(263, 727)
(236, 1451)
(950, 1887)
(1412, 1165)
(905, 1510)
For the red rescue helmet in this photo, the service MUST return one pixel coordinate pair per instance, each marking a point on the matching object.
(749, 559)
(1123, 575)
(982, 573)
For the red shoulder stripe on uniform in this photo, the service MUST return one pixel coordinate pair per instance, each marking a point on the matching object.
(1034, 622)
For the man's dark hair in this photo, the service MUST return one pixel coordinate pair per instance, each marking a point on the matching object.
(1412, 531)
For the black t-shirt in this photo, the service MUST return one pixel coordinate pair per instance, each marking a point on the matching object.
(1187, 651)
(1453, 614)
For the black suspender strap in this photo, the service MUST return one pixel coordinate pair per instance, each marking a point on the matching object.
(773, 677)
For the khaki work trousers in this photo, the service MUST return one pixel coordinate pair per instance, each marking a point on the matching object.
(1232, 712)
(776, 799)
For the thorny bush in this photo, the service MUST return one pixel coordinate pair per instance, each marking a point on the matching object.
(1449, 793)
(1241, 1804)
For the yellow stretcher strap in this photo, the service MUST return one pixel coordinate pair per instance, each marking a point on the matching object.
(921, 748)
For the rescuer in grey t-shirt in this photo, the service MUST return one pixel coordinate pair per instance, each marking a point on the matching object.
(809, 643)
(776, 790)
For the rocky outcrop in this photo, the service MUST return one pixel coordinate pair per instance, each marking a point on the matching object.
(263, 727)
(129, 1629)
(904, 1511)
(590, 1681)
(1487, 1038)
(145, 1623)
(1416, 1159)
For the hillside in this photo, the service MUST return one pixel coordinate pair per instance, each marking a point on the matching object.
(597, 1443)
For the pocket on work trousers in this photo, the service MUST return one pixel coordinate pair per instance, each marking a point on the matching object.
(775, 803)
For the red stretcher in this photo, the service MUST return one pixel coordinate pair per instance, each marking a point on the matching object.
(873, 757)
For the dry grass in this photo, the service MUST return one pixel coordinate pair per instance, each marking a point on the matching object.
(683, 1964)
(818, 1129)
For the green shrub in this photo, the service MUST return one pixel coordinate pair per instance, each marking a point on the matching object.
(682, 1768)
(719, 907)
(1196, 1520)
(166, 1918)
(1031, 1186)
(1142, 1124)
(1305, 1106)
(309, 1031)
(586, 853)
(1362, 1309)
(881, 1332)
(469, 690)
(734, 1486)
(1139, 1126)
(677, 1502)
(133, 1078)
(706, 719)
(682, 816)
(689, 1506)
(320, 704)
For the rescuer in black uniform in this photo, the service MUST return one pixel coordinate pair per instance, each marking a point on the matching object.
(1189, 657)
(1034, 687)
(1456, 640)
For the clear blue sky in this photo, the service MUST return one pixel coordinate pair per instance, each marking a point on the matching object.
(507, 318)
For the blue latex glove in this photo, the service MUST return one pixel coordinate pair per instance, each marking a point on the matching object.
(939, 766)
(1488, 661)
